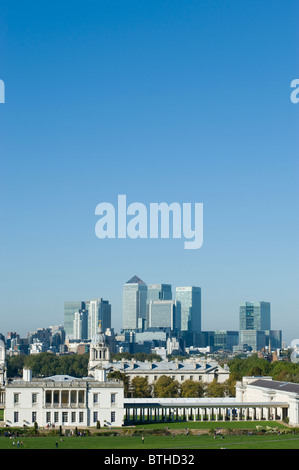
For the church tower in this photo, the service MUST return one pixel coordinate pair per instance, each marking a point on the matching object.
(99, 354)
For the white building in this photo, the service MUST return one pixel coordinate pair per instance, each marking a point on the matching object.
(3, 367)
(276, 399)
(64, 400)
(196, 369)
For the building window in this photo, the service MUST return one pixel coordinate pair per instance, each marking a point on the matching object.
(16, 417)
(34, 416)
(64, 416)
(182, 378)
(34, 398)
(191, 377)
(73, 396)
(56, 397)
(113, 398)
(48, 417)
(155, 377)
(73, 416)
(81, 417)
(81, 397)
(16, 398)
(64, 397)
(96, 398)
(199, 377)
(95, 416)
(173, 377)
(48, 397)
(56, 417)
(112, 416)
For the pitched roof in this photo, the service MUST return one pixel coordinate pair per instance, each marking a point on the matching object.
(135, 280)
(164, 366)
(277, 385)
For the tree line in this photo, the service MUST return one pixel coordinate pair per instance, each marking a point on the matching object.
(166, 387)
(283, 370)
(48, 364)
(76, 365)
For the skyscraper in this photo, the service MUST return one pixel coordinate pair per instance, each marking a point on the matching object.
(134, 302)
(99, 312)
(190, 299)
(70, 308)
(164, 314)
(255, 316)
(80, 325)
(156, 292)
(159, 292)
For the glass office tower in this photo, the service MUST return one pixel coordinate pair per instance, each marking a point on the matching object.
(164, 314)
(159, 292)
(156, 292)
(190, 299)
(99, 311)
(134, 303)
(70, 308)
(81, 325)
(255, 316)
(255, 339)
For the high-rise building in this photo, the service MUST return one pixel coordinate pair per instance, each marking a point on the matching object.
(255, 316)
(159, 292)
(254, 339)
(81, 325)
(156, 292)
(274, 339)
(225, 340)
(99, 312)
(190, 299)
(70, 308)
(134, 303)
(164, 314)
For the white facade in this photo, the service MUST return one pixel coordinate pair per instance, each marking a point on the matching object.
(64, 400)
(190, 369)
(3, 368)
(283, 396)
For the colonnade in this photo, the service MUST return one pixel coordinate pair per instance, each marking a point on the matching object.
(144, 413)
(64, 398)
(2, 397)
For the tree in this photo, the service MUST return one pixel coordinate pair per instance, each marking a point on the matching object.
(215, 389)
(35, 427)
(140, 387)
(190, 389)
(165, 387)
(230, 387)
(116, 374)
(15, 365)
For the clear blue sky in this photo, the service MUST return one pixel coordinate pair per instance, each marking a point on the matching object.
(162, 101)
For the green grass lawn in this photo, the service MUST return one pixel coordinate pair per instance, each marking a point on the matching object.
(210, 425)
(268, 441)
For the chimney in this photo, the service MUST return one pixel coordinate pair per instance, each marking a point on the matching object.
(100, 375)
(27, 375)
